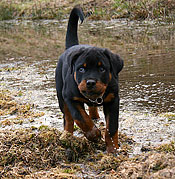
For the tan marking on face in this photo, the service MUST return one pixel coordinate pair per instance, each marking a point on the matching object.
(75, 76)
(82, 86)
(99, 63)
(110, 76)
(100, 87)
(84, 65)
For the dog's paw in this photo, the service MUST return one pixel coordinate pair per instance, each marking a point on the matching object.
(93, 135)
(112, 148)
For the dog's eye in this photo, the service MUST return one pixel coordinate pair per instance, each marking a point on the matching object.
(81, 70)
(102, 70)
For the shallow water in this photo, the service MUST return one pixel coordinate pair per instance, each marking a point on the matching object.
(29, 52)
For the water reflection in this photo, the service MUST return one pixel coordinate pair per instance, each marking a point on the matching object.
(147, 82)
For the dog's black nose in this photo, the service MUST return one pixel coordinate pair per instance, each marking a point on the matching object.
(90, 83)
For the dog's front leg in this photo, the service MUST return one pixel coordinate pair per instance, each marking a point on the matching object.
(111, 111)
(93, 112)
(84, 121)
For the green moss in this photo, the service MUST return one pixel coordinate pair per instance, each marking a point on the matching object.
(43, 127)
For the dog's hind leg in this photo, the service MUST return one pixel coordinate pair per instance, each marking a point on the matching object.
(68, 120)
(111, 111)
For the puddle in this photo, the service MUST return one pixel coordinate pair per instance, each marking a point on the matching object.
(30, 49)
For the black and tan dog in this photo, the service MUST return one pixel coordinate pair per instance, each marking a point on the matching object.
(87, 74)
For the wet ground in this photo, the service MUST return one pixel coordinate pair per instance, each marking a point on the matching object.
(29, 52)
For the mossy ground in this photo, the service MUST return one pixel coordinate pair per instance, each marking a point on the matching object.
(45, 152)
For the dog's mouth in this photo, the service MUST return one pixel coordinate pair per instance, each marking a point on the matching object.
(93, 97)
(94, 93)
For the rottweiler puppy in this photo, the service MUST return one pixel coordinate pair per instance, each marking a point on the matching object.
(87, 74)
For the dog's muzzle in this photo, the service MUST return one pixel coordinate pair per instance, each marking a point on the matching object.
(90, 84)
(92, 90)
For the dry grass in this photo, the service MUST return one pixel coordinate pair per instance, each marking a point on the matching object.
(45, 153)
(16, 112)
(144, 9)
(59, 9)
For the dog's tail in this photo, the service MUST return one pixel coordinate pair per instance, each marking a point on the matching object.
(71, 35)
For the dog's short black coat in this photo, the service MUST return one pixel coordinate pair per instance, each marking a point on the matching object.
(87, 74)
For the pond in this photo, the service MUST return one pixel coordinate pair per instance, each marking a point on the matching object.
(29, 51)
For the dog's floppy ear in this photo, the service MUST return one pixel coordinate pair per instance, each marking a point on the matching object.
(73, 57)
(115, 61)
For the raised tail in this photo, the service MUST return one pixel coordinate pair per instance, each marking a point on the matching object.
(71, 35)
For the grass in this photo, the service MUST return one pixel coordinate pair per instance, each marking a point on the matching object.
(30, 9)
(6, 11)
(143, 9)
(28, 151)
(56, 9)
(167, 147)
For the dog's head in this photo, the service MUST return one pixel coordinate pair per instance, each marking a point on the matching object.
(93, 69)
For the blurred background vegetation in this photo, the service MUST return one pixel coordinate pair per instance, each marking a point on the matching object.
(101, 9)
